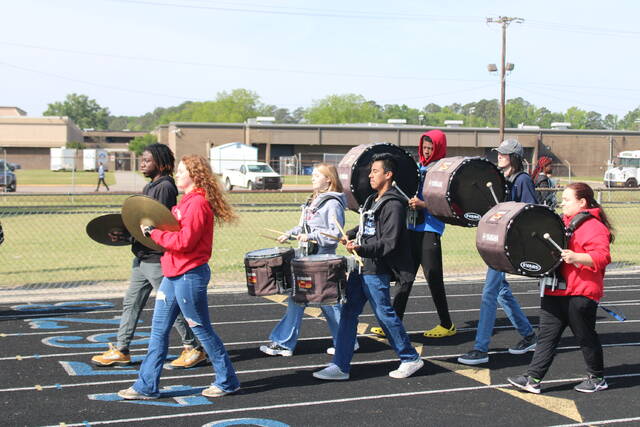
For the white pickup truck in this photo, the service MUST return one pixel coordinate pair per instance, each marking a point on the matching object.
(252, 175)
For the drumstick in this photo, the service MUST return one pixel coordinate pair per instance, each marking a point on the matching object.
(355, 254)
(331, 236)
(547, 236)
(273, 238)
(490, 187)
(400, 190)
(282, 233)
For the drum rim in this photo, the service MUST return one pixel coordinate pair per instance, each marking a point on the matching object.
(370, 146)
(285, 251)
(517, 267)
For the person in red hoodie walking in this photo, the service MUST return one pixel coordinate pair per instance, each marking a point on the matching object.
(575, 306)
(184, 288)
(426, 249)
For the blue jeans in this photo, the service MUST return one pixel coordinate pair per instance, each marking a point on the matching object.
(497, 290)
(287, 330)
(375, 289)
(145, 276)
(187, 294)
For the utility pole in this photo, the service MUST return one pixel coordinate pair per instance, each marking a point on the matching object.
(504, 21)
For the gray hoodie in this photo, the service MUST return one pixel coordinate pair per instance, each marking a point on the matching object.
(319, 217)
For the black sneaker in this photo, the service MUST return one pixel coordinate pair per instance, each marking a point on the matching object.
(524, 345)
(274, 349)
(526, 383)
(474, 357)
(592, 384)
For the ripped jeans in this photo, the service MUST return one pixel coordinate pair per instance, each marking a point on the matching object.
(186, 293)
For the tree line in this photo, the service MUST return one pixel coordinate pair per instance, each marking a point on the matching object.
(239, 105)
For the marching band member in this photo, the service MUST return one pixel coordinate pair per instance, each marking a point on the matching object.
(380, 241)
(583, 269)
(184, 287)
(496, 288)
(426, 247)
(325, 206)
(146, 273)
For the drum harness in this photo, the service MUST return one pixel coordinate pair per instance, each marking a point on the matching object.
(556, 281)
(310, 248)
(365, 214)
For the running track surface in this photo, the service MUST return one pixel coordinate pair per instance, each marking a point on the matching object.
(47, 379)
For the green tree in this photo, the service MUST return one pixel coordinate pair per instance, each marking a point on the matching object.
(229, 107)
(394, 111)
(577, 118)
(137, 144)
(630, 120)
(85, 112)
(348, 108)
(611, 121)
(76, 144)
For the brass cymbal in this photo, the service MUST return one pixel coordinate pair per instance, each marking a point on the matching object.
(144, 210)
(99, 228)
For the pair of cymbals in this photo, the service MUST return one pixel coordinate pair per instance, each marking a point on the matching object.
(136, 211)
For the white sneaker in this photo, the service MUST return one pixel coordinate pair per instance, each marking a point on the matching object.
(275, 349)
(331, 373)
(131, 394)
(406, 369)
(332, 350)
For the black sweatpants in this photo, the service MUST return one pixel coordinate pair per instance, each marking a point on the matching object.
(556, 313)
(426, 250)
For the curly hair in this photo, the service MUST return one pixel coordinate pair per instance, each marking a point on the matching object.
(203, 177)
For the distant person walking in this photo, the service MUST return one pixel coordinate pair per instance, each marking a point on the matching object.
(101, 177)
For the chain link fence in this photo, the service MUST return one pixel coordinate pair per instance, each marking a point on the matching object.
(46, 244)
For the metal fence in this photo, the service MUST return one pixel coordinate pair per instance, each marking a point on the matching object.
(46, 243)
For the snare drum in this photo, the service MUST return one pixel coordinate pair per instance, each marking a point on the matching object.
(510, 238)
(269, 271)
(354, 168)
(455, 189)
(319, 279)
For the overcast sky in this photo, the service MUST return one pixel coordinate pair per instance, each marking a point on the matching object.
(135, 55)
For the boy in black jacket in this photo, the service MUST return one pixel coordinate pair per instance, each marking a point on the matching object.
(146, 274)
(381, 240)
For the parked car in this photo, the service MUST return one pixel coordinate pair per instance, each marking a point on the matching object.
(8, 178)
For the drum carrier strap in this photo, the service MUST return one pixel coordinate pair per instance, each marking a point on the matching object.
(554, 279)
(309, 248)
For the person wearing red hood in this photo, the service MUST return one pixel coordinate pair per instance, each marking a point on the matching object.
(575, 306)
(426, 248)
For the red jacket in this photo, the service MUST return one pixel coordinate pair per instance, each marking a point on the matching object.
(591, 237)
(191, 246)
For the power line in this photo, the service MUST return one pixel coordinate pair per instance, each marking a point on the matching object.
(350, 15)
(237, 67)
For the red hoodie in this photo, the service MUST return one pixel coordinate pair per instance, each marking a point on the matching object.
(439, 140)
(191, 246)
(591, 237)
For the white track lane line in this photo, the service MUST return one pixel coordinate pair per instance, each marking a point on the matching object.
(322, 402)
(240, 322)
(617, 288)
(240, 343)
(286, 368)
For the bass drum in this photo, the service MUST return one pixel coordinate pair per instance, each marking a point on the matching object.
(455, 189)
(354, 167)
(510, 238)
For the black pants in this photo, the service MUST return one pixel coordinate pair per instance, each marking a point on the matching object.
(101, 180)
(426, 250)
(556, 313)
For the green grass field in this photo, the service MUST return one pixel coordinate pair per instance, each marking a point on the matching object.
(47, 177)
(46, 242)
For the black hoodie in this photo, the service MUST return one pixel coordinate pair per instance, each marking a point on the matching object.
(384, 241)
(165, 191)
